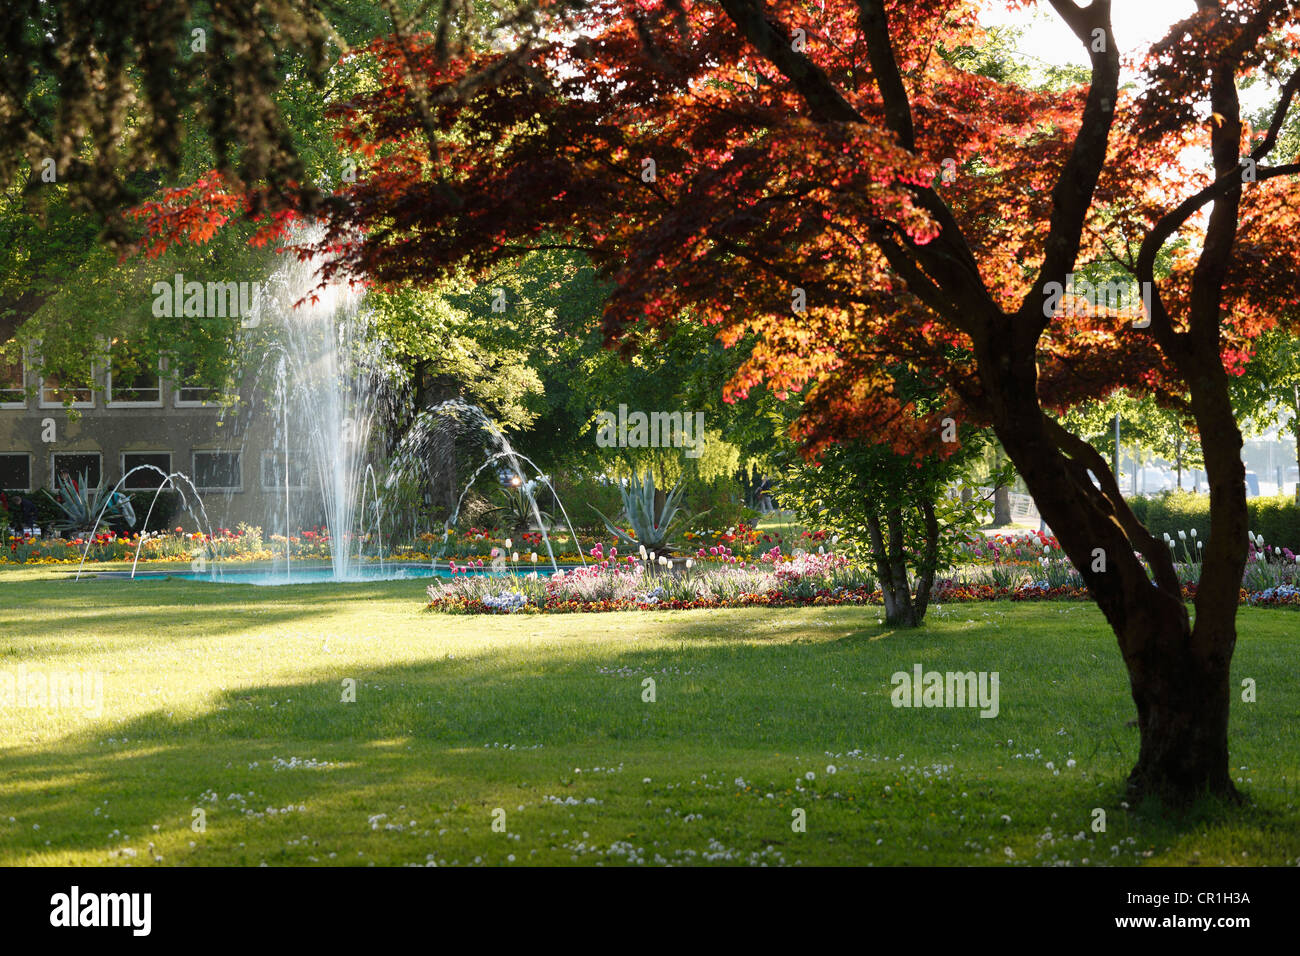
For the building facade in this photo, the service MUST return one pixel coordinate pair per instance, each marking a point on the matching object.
(143, 421)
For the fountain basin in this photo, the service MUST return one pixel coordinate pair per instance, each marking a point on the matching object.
(263, 577)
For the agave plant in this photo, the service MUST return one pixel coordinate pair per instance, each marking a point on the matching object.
(518, 510)
(651, 530)
(81, 505)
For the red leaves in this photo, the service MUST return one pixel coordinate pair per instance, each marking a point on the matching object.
(760, 217)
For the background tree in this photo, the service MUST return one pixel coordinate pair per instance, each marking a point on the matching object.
(1267, 394)
(897, 513)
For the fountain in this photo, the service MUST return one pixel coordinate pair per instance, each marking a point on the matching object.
(328, 375)
(421, 445)
(168, 481)
(323, 378)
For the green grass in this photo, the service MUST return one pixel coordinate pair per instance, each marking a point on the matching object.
(542, 717)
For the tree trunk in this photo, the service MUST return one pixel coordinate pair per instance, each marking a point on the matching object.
(900, 611)
(1001, 503)
(1178, 674)
(1182, 703)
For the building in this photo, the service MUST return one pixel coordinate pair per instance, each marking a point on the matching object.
(129, 413)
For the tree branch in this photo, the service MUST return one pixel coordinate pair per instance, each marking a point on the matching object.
(771, 40)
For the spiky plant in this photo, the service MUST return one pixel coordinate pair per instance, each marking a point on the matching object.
(651, 530)
(81, 505)
(520, 509)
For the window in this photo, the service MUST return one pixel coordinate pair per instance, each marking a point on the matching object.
(134, 377)
(148, 479)
(15, 472)
(76, 464)
(190, 387)
(75, 388)
(273, 470)
(12, 393)
(217, 471)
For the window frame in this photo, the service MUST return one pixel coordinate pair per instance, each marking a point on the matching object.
(121, 458)
(22, 379)
(20, 454)
(239, 467)
(54, 471)
(43, 402)
(177, 387)
(111, 402)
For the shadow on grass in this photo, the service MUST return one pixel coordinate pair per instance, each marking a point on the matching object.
(436, 727)
(735, 691)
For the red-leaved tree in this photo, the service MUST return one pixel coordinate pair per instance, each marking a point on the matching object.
(827, 175)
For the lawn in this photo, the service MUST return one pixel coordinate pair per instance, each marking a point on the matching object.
(228, 699)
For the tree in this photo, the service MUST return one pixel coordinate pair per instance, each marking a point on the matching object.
(894, 510)
(1268, 393)
(1163, 430)
(832, 181)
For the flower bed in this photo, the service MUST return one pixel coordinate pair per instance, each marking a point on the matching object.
(248, 543)
(806, 580)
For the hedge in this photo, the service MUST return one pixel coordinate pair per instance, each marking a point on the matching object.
(1276, 518)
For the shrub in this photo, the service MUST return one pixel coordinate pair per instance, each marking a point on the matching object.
(164, 511)
(580, 495)
(1276, 518)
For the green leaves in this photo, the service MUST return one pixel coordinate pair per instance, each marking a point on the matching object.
(81, 506)
(652, 528)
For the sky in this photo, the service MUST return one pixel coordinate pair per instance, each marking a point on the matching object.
(1137, 24)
